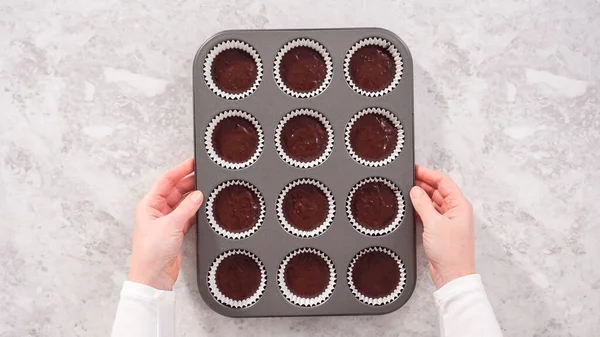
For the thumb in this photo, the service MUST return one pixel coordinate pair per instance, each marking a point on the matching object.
(423, 205)
(186, 209)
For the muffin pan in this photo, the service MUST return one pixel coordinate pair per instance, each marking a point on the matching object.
(304, 148)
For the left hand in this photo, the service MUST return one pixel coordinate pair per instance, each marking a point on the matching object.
(162, 218)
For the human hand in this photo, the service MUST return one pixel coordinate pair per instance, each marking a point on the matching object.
(162, 218)
(447, 218)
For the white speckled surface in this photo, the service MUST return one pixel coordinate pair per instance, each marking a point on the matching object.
(95, 101)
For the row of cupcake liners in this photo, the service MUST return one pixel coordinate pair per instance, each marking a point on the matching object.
(302, 42)
(214, 156)
(299, 300)
(289, 228)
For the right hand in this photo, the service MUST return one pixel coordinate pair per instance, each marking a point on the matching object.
(447, 218)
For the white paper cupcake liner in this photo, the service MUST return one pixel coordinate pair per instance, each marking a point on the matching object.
(306, 301)
(297, 163)
(382, 300)
(210, 201)
(220, 297)
(397, 220)
(208, 142)
(219, 48)
(381, 43)
(400, 135)
(330, 214)
(310, 44)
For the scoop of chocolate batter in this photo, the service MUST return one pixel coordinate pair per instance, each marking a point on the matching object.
(236, 208)
(376, 274)
(373, 137)
(235, 139)
(374, 205)
(302, 69)
(372, 68)
(304, 138)
(234, 71)
(307, 275)
(305, 207)
(238, 277)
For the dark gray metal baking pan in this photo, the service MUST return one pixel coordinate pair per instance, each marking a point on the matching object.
(270, 174)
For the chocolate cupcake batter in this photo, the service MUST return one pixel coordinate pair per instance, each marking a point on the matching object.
(376, 274)
(372, 68)
(234, 71)
(235, 139)
(373, 137)
(307, 275)
(303, 69)
(236, 208)
(374, 205)
(238, 277)
(304, 138)
(305, 207)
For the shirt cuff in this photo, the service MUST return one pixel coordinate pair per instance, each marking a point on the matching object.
(160, 302)
(457, 287)
(147, 293)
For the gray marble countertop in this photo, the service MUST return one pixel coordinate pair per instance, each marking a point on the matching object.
(95, 102)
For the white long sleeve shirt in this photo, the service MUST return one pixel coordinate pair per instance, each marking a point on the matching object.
(463, 306)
